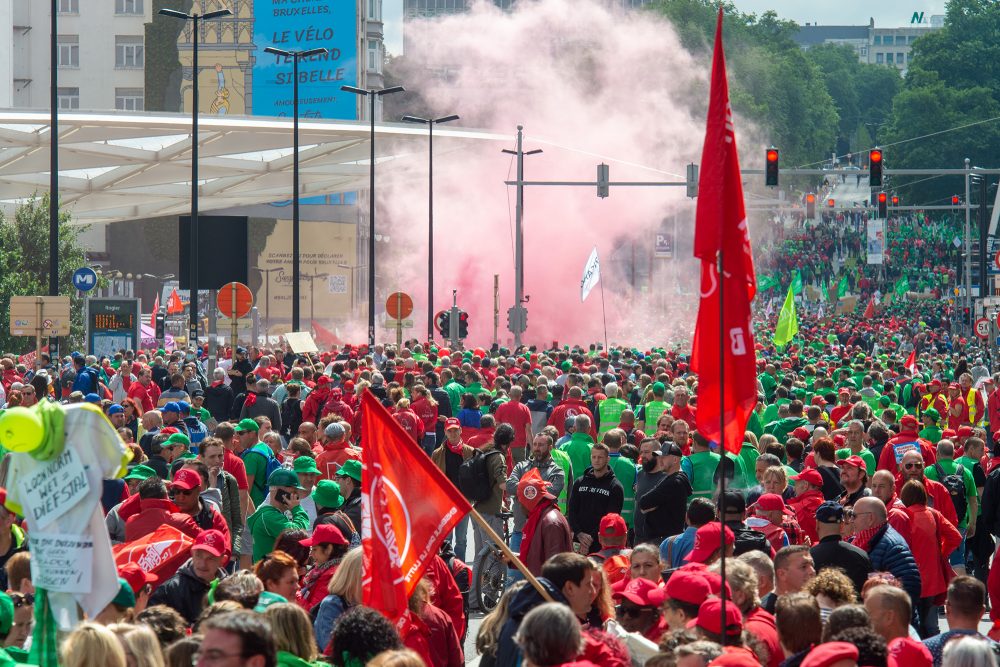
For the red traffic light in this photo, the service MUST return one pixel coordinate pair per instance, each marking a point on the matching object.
(810, 198)
(955, 200)
(881, 198)
(875, 156)
(772, 155)
(895, 200)
(829, 202)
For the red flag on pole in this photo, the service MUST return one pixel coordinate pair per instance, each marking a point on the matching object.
(408, 507)
(156, 306)
(174, 304)
(723, 351)
(870, 309)
(911, 362)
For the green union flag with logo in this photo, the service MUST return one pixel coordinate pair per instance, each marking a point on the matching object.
(842, 287)
(902, 286)
(788, 321)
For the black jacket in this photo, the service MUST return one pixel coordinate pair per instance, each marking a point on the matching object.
(834, 552)
(669, 498)
(184, 591)
(526, 599)
(219, 402)
(352, 508)
(591, 498)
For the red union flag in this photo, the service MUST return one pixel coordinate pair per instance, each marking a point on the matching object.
(911, 362)
(161, 552)
(408, 507)
(723, 351)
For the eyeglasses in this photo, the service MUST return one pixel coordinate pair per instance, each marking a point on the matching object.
(911, 466)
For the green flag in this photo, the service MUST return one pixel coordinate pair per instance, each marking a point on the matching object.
(788, 321)
(826, 291)
(842, 287)
(902, 286)
(766, 282)
(796, 283)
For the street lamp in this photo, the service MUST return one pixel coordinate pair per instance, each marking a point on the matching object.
(267, 294)
(295, 56)
(430, 122)
(193, 252)
(372, 94)
(312, 278)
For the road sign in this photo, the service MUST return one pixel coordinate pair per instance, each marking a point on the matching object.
(439, 322)
(85, 279)
(29, 313)
(399, 305)
(235, 300)
(405, 324)
(996, 261)
(983, 328)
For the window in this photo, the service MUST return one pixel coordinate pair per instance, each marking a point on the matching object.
(374, 62)
(128, 51)
(69, 50)
(129, 99)
(69, 6)
(877, 40)
(899, 58)
(69, 98)
(879, 58)
(375, 10)
(128, 6)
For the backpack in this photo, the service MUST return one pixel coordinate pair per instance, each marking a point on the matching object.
(748, 539)
(474, 477)
(272, 464)
(955, 483)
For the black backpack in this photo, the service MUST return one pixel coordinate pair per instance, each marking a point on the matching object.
(748, 539)
(955, 483)
(474, 477)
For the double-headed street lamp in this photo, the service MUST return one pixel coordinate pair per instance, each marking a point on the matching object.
(193, 252)
(295, 56)
(372, 94)
(312, 278)
(430, 122)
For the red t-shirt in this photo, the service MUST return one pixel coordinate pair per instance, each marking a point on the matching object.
(517, 415)
(141, 395)
(685, 413)
(234, 466)
(956, 420)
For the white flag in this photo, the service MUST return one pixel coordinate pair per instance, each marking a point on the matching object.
(591, 275)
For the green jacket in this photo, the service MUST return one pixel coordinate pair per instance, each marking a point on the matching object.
(625, 471)
(578, 448)
(563, 460)
(268, 522)
(781, 428)
(454, 391)
(286, 659)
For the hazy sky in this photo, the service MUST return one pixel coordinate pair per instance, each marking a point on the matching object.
(887, 13)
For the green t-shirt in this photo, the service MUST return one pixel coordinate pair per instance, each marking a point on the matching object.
(256, 467)
(625, 472)
(931, 433)
(949, 467)
(578, 448)
(865, 455)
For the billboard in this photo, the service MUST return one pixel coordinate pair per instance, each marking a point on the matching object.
(875, 241)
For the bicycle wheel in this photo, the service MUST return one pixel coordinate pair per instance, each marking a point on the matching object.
(491, 576)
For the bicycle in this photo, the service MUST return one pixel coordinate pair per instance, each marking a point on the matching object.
(491, 569)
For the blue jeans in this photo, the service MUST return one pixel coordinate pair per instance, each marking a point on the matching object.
(958, 555)
(429, 443)
(460, 538)
(514, 574)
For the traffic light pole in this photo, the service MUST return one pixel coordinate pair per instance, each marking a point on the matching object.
(968, 243)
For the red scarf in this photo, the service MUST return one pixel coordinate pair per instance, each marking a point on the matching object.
(126, 380)
(218, 383)
(863, 538)
(532, 524)
(455, 449)
(250, 399)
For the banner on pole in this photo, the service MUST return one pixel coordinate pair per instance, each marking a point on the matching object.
(591, 275)
(876, 241)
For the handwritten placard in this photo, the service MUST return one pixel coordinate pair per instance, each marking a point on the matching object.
(53, 489)
(60, 562)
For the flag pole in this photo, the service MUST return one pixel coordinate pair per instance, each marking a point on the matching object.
(604, 316)
(497, 540)
(722, 442)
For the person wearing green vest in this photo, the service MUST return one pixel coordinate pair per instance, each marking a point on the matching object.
(749, 453)
(783, 427)
(651, 412)
(946, 465)
(564, 461)
(609, 411)
(885, 402)
(771, 412)
(280, 513)
(854, 435)
(625, 472)
(931, 431)
(700, 467)
(578, 447)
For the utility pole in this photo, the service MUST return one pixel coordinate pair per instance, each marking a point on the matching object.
(968, 242)
(518, 314)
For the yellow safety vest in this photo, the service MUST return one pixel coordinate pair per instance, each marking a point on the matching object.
(970, 399)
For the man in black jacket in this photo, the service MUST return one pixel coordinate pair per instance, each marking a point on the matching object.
(595, 494)
(831, 551)
(664, 505)
(185, 591)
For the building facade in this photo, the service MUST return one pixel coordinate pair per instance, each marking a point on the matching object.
(873, 46)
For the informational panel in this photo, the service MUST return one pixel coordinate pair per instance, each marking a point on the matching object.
(875, 241)
(112, 325)
(39, 315)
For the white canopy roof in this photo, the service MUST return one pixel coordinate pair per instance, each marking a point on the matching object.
(124, 166)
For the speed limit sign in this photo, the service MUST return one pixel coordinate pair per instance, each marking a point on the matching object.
(983, 328)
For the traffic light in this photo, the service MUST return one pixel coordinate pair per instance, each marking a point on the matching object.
(603, 177)
(875, 168)
(810, 206)
(965, 314)
(463, 324)
(955, 200)
(443, 321)
(771, 170)
(161, 324)
(830, 203)
(692, 180)
(882, 206)
(895, 200)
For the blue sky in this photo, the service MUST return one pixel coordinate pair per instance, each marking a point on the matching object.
(887, 13)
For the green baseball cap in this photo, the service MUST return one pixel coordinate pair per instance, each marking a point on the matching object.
(285, 477)
(305, 465)
(124, 598)
(6, 613)
(352, 469)
(327, 494)
(140, 472)
(247, 425)
(933, 414)
(659, 388)
(177, 439)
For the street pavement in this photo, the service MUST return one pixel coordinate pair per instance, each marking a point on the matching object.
(851, 192)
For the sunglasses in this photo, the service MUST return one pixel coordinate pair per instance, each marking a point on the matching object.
(22, 599)
(911, 466)
(623, 611)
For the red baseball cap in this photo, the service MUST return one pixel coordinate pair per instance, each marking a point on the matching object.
(948, 434)
(830, 653)
(186, 479)
(810, 475)
(136, 577)
(708, 540)
(853, 460)
(451, 422)
(687, 586)
(844, 391)
(710, 617)
(737, 657)
(642, 592)
(906, 652)
(801, 433)
(839, 439)
(771, 502)
(965, 431)
(908, 421)
(612, 525)
(214, 542)
(325, 533)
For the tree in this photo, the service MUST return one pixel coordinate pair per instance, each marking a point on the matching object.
(24, 267)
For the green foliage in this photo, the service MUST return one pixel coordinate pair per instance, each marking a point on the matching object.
(24, 267)
(163, 65)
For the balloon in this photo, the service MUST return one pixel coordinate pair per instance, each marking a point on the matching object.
(21, 430)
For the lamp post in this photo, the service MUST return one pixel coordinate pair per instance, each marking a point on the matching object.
(193, 252)
(295, 56)
(430, 122)
(267, 294)
(372, 94)
(312, 278)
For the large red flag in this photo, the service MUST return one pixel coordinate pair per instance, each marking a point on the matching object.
(408, 508)
(911, 362)
(870, 309)
(174, 304)
(723, 351)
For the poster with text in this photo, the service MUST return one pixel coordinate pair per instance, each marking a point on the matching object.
(875, 241)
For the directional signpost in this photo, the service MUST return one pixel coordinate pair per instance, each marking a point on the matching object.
(399, 306)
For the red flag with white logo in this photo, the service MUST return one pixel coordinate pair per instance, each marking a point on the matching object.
(408, 507)
(174, 304)
(911, 362)
(723, 351)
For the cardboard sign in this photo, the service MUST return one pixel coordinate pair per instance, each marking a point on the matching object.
(53, 489)
(61, 563)
(301, 342)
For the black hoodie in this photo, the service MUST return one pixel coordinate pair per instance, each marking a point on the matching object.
(184, 591)
(591, 498)
(526, 599)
